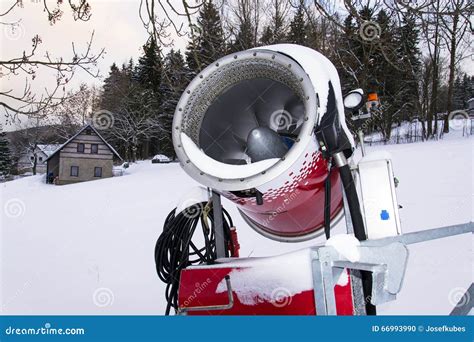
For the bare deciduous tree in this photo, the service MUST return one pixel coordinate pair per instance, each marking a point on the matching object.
(28, 63)
(455, 25)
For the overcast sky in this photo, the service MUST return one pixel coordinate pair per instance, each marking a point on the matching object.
(117, 28)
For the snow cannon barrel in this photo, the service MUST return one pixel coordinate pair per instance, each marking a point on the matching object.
(245, 126)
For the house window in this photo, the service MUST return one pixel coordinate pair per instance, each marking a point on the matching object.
(80, 147)
(40, 159)
(94, 148)
(74, 171)
(88, 131)
(97, 172)
(32, 158)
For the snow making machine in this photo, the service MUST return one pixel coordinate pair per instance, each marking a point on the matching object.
(265, 128)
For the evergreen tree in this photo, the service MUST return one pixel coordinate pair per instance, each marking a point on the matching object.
(276, 31)
(371, 64)
(267, 37)
(192, 59)
(349, 54)
(114, 88)
(132, 95)
(109, 87)
(245, 37)
(384, 71)
(150, 66)
(112, 95)
(5, 155)
(209, 44)
(458, 98)
(468, 85)
(408, 58)
(463, 90)
(146, 79)
(174, 82)
(298, 29)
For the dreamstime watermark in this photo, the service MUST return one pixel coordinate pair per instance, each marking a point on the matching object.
(371, 207)
(375, 114)
(191, 208)
(281, 297)
(281, 120)
(370, 31)
(47, 329)
(198, 288)
(379, 288)
(103, 119)
(282, 208)
(459, 296)
(14, 31)
(458, 119)
(17, 294)
(14, 208)
(103, 297)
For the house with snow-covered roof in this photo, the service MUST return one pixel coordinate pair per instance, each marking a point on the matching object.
(83, 157)
(38, 155)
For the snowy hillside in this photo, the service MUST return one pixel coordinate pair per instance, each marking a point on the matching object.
(88, 248)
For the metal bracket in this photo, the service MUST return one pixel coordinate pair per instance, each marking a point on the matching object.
(423, 235)
(386, 258)
(218, 224)
(228, 306)
(387, 264)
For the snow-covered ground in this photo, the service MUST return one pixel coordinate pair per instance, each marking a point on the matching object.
(88, 248)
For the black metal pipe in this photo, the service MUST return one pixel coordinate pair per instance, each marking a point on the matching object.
(358, 224)
(219, 227)
(353, 202)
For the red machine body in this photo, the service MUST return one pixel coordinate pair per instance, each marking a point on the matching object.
(296, 207)
(204, 286)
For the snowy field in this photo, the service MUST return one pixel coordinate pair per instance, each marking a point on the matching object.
(88, 248)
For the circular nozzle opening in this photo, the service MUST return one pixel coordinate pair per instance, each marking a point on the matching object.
(242, 118)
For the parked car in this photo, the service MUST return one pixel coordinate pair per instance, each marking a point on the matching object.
(160, 158)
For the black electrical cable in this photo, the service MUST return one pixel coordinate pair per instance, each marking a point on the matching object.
(175, 250)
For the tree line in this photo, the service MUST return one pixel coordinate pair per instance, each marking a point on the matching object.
(376, 47)
(409, 52)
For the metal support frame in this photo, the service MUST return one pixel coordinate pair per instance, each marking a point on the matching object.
(357, 222)
(218, 224)
(386, 258)
(360, 134)
(423, 235)
(356, 277)
(387, 264)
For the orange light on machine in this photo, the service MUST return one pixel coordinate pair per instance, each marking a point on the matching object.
(372, 97)
(373, 102)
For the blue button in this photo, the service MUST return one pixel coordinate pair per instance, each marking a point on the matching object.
(384, 215)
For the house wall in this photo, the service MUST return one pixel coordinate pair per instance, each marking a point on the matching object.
(70, 150)
(25, 164)
(86, 169)
(86, 161)
(53, 165)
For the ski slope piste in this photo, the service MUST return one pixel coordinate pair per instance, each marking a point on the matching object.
(265, 128)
